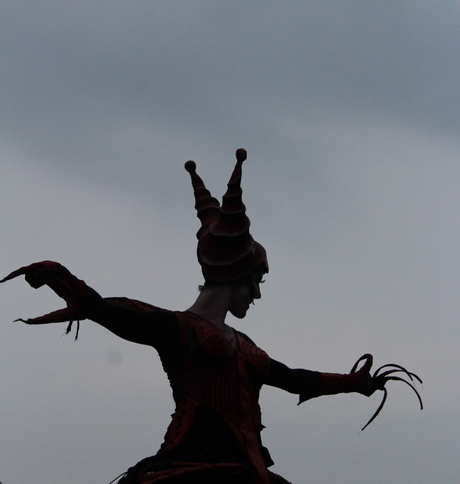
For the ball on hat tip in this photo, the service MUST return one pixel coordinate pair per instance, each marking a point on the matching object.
(241, 154)
(190, 166)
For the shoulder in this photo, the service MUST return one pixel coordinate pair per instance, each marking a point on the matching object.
(246, 338)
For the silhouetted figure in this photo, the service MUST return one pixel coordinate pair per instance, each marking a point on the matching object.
(215, 371)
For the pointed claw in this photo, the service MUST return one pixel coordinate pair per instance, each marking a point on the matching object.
(382, 403)
(12, 275)
(400, 368)
(69, 328)
(390, 372)
(397, 378)
(369, 360)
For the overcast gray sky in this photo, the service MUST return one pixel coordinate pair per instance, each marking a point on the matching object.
(349, 111)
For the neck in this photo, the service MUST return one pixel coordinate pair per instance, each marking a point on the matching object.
(213, 304)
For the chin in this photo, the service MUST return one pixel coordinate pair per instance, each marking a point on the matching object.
(239, 314)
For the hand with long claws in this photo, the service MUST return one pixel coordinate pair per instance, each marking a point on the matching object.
(379, 379)
(61, 281)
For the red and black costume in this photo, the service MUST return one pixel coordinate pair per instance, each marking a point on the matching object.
(215, 429)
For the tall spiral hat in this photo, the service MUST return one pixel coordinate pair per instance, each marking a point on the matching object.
(226, 250)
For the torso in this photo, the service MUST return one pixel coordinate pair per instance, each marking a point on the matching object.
(220, 370)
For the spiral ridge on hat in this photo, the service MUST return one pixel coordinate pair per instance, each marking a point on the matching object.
(226, 250)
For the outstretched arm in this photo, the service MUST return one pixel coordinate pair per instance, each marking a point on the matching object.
(310, 384)
(154, 328)
(297, 381)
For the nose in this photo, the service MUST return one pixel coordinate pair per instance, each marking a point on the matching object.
(257, 294)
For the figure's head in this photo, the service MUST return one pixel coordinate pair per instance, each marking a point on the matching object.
(241, 293)
(226, 250)
(245, 292)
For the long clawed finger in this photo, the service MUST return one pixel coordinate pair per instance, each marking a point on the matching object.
(69, 329)
(397, 378)
(396, 368)
(382, 403)
(385, 376)
(368, 362)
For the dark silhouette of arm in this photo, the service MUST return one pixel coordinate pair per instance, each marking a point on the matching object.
(148, 327)
(297, 381)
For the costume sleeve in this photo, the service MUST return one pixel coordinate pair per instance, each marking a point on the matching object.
(157, 328)
(298, 381)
